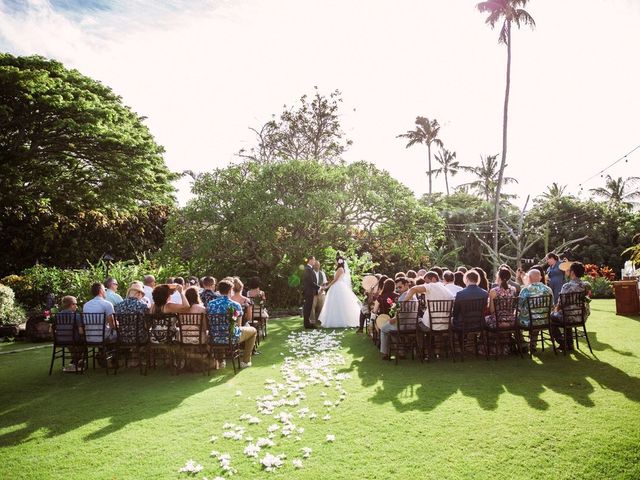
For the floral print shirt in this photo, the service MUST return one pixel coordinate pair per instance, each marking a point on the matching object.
(219, 333)
(537, 289)
(131, 305)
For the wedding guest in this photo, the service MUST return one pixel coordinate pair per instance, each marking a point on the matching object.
(193, 297)
(422, 272)
(99, 304)
(462, 269)
(556, 278)
(381, 280)
(111, 295)
(134, 302)
(245, 303)
(574, 285)
(149, 285)
(399, 274)
(161, 296)
(412, 274)
(208, 291)
(439, 271)
(458, 279)
(69, 306)
(433, 289)
(402, 287)
(258, 297)
(176, 297)
(449, 281)
(386, 298)
(502, 290)
(472, 291)
(511, 282)
(240, 334)
(483, 283)
(535, 288)
(194, 281)
(543, 279)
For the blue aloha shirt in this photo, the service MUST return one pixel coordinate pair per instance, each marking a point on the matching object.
(537, 289)
(131, 305)
(221, 332)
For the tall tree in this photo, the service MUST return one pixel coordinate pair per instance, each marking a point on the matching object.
(618, 191)
(425, 133)
(68, 148)
(448, 165)
(487, 178)
(309, 131)
(553, 192)
(509, 12)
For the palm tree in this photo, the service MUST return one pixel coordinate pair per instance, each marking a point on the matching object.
(616, 191)
(426, 133)
(487, 175)
(448, 165)
(554, 191)
(512, 11)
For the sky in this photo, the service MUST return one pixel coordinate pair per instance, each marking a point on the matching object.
(204, 71)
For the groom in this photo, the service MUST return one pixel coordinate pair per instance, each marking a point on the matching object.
(310, 289)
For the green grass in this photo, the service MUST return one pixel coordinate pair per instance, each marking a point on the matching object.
(555, 417)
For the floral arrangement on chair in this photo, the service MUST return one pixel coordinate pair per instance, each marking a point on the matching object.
(232, 317)
(393, 308)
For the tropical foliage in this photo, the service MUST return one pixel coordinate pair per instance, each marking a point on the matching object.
(425, 133)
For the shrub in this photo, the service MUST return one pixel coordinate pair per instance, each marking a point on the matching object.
(601, 287)
(10, 313)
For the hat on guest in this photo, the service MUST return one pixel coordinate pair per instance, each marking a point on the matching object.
(135, 287)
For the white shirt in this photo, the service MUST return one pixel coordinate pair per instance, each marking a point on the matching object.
(148, 291)
(435, 291)
(453, 288)
(175, 298)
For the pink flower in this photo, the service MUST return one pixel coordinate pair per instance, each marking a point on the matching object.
(389, 301)
(236, 314)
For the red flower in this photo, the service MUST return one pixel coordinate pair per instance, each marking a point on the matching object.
(389, 301)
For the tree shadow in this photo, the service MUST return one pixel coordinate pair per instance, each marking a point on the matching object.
(33, 404)
(599, 346)
(412, 385)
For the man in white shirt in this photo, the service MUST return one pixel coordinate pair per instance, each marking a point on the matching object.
(176, 297)
(433, 290)
(98, 304)
(449, 278)
(149, 285)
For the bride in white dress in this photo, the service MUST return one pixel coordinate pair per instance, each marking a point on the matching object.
(341, 307)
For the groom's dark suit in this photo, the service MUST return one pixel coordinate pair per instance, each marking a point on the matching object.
(310, 288)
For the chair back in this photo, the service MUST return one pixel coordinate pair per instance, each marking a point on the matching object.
(407, 315)
(471, 314)
(573, 307)
(440, 314)
(506, 312)
(219, 330)
(161, 327)
(539, 308)
(131, 329)
(95, 328)
(257, 311)
(65, 328)
(192, 328)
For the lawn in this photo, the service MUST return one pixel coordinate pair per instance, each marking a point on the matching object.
(553, 417)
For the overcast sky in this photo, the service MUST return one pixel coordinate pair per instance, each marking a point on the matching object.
(203, 71)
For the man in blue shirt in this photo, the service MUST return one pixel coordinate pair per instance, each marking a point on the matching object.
(246, 334)
(99, 305)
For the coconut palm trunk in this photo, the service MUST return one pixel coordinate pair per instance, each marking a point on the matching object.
(503, 160)
(429, 161)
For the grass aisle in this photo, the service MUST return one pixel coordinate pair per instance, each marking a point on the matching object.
(555, 417)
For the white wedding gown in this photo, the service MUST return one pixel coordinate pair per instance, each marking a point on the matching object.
(341, 307)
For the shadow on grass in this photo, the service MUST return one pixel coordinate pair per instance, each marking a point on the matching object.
(33, 404)
(413, 385)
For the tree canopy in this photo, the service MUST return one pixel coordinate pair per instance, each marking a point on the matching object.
(68, 148)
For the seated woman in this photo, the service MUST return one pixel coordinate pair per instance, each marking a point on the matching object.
(134, 302)
(193, 298)
(161, 295)
(244, 302)
(69, 306)
(257, 296)
(503, 290)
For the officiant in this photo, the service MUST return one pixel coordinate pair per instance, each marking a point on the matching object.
(318, 299)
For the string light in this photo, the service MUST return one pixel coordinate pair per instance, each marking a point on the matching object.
(601, 172)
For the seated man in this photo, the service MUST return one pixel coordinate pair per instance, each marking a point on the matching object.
(574, 285)
(402, 288)
(471, 292)
(448, 278)
(535, 288)
(241, 334)
(100, 305)
(433, 289)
